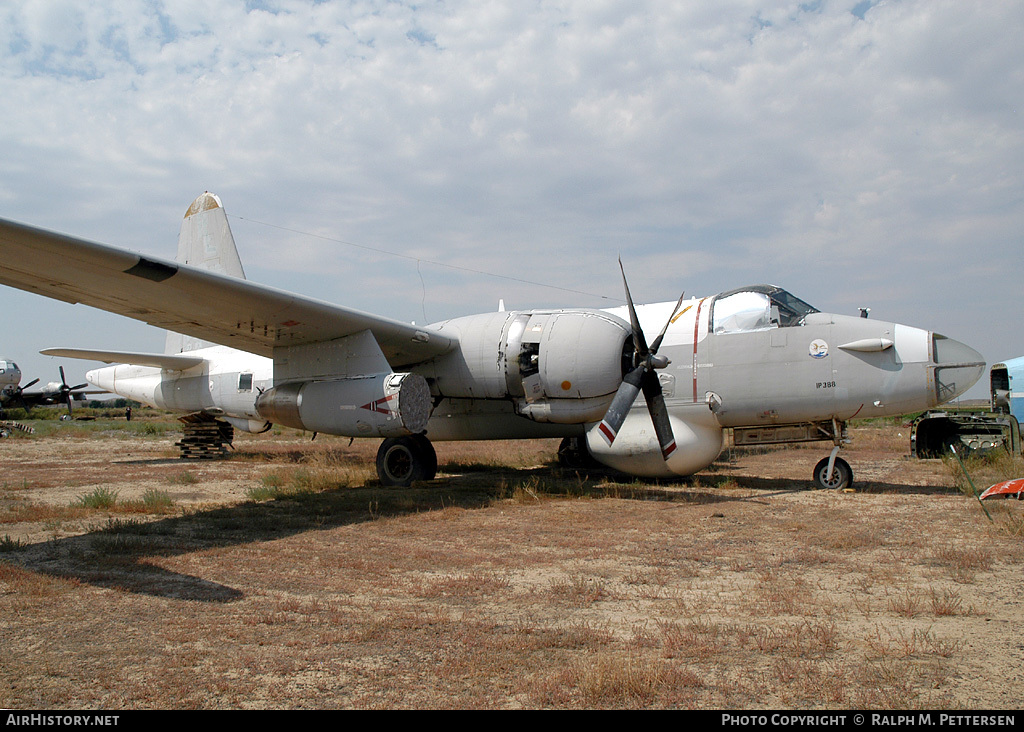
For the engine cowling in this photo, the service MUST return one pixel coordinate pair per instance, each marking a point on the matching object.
(379, 405)
(560, 366)
(568, 365)
(567, 355)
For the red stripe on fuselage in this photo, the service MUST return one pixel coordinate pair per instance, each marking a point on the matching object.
(696, 327)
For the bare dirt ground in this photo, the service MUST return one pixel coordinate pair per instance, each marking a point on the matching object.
(285, 577)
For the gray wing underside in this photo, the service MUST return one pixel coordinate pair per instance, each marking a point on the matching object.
(180, 298)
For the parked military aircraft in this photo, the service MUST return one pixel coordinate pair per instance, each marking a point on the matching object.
(10, 374)
(13, 394)
(756, 359)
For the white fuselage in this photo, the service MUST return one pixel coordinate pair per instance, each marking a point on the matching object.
(525, 374)
(225, 384)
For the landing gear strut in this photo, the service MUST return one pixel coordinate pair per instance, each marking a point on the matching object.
(402, 460)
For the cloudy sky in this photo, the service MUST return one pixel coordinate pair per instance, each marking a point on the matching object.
(424, 159)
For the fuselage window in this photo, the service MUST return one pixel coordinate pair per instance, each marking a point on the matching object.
(245, 382)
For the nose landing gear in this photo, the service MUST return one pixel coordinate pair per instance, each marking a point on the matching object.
(832, 473)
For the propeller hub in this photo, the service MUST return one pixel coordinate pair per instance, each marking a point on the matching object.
(658, 361)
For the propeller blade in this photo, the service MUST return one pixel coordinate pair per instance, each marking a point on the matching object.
(659, 413)
(65, 390)
(619, 408)
(657, 341)
(639, 342)
(28, 384)
(80, 386)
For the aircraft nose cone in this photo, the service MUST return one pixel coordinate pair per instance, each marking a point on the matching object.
(957, 368)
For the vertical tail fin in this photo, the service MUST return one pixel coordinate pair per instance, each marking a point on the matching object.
(206, 242)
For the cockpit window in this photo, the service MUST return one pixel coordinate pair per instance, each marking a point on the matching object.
(742, 311)
(792, 310)
(756, 308)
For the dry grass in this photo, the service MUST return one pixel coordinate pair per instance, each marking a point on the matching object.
(286, 577)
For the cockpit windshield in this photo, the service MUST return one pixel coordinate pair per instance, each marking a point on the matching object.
(757, 307)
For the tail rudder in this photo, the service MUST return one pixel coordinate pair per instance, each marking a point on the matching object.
(205, 242)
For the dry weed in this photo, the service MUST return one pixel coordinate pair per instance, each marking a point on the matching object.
(963, 563)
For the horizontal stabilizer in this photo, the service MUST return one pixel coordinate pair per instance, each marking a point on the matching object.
(172, 362)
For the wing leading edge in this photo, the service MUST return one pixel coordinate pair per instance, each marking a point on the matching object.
(184, 299)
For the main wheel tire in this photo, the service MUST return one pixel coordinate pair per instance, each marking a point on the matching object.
(403, 460)
(429, 456)
(573, 455)
(841, 477)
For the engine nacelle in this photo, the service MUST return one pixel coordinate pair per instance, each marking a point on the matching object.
(560, 366)
(379, 405)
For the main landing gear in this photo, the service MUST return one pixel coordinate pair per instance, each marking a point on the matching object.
(403, 460)
(573, 455)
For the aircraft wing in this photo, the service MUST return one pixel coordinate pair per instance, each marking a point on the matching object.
(40, 397)
(214, 307)
(27, 400)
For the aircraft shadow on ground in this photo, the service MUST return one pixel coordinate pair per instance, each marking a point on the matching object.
(120, 555)
(871, 487)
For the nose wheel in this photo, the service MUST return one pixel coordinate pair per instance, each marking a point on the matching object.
(832, 473)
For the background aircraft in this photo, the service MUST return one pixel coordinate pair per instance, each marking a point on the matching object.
(757, 360)
(13, 394)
